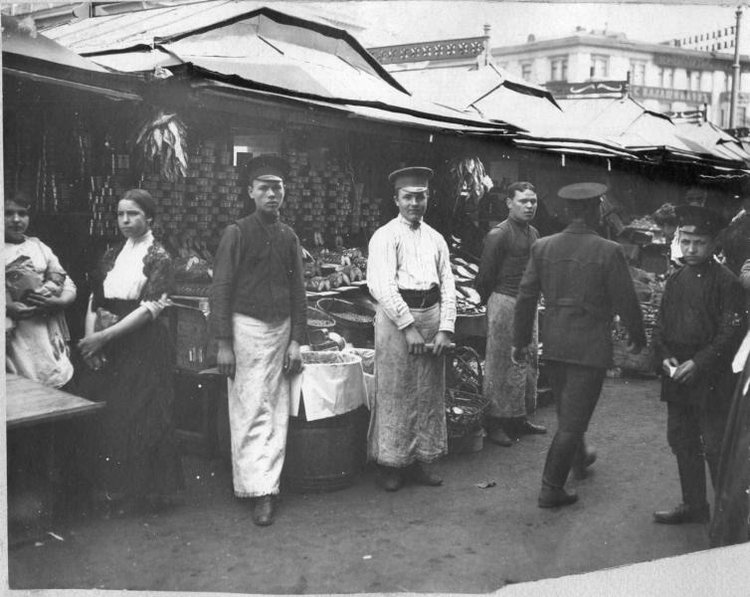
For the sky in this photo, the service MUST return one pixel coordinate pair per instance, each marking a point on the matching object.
(404, 21)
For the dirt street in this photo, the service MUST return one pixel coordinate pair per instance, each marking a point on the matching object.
(456, 538)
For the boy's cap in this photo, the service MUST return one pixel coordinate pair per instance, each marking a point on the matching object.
(268, 168)
(414, 179)
(695, 219)
(582, 191)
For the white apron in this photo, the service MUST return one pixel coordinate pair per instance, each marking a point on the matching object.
(258, 405)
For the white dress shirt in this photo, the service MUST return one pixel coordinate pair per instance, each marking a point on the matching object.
(402, 257)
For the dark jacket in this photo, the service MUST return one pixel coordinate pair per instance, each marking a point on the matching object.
(585, 281)
(701, 318)
(258, 272)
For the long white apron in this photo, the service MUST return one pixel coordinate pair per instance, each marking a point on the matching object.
(407, 422)
(258, 405)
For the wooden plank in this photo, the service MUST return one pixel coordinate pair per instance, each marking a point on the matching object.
(29, 402)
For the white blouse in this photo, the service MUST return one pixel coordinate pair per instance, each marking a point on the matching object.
(126, 279)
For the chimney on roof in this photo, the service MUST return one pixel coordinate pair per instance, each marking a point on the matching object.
(485, 57)
(531, 38)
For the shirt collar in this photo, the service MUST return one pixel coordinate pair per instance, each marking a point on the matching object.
(146, 238)
(408, 224)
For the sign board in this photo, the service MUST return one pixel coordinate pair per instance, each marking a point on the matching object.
(688, 96)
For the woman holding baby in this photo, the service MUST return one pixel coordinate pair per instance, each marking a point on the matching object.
(129, 360)
(37, 290)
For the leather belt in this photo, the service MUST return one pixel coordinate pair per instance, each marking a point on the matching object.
(421, 299)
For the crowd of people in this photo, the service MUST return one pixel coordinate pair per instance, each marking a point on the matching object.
(258, 316)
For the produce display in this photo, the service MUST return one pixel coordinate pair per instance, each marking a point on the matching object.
(468, 301)
(327, 269)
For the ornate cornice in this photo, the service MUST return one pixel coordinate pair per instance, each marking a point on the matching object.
(448, 49)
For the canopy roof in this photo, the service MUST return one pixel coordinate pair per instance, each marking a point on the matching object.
(281, 47)
(31, 55)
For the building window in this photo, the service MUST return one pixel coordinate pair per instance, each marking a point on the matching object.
(558, 68)
(666, 77)
(638, 72)
(526, 71)
(599, 66)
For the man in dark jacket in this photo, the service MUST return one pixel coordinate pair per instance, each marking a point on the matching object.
(258, 318)
(585, 281)
(698, 330)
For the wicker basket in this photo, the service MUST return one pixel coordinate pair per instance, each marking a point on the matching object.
(464, 412)
(317, 319)
(346, 313)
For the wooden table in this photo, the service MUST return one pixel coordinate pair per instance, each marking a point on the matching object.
(29, 403)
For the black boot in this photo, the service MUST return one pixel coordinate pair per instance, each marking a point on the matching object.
(584, 458)
(556, 469)
(694, 507)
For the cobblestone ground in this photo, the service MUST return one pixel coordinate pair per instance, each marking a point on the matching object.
(455, 538)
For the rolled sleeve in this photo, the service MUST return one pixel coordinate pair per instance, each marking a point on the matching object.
(225, 265)
(382, 266)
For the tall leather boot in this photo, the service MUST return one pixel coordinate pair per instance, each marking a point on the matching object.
(694, 507)
(556, 468)
(584, 457)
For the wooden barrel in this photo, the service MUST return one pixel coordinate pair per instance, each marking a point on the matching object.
(326, 454)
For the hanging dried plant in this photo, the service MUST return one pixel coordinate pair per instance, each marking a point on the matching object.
(163, 139)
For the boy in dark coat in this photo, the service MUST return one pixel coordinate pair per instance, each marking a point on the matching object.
(699, 328)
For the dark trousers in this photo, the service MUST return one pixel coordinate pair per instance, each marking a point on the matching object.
(695, 432)
(576, 389)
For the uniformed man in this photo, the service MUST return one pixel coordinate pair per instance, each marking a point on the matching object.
(585, 281)
(698, 330)
(409, 275)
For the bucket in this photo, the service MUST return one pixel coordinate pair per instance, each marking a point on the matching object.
(326, 454)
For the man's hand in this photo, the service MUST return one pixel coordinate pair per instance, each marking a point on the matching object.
(519, 355)
(293, 359)
(414, 340)
(225, 362)
(668, 364)
(686, 372)
(442, 342)
(19, 310)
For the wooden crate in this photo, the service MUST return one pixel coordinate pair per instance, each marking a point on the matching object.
(195, 350)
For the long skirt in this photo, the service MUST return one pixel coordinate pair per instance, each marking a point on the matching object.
(134, 446)
(407, 422)
(510, 387)
(259, 400)
(730, 523)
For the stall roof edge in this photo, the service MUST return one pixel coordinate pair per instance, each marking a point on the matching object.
(204, 76)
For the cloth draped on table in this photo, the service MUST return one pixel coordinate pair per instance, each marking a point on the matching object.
(407, 423)
(259, 398)
(510, 387)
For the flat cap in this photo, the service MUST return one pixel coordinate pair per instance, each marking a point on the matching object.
(415, 178)
(269, 168)
(581, 191)
(695, 219)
